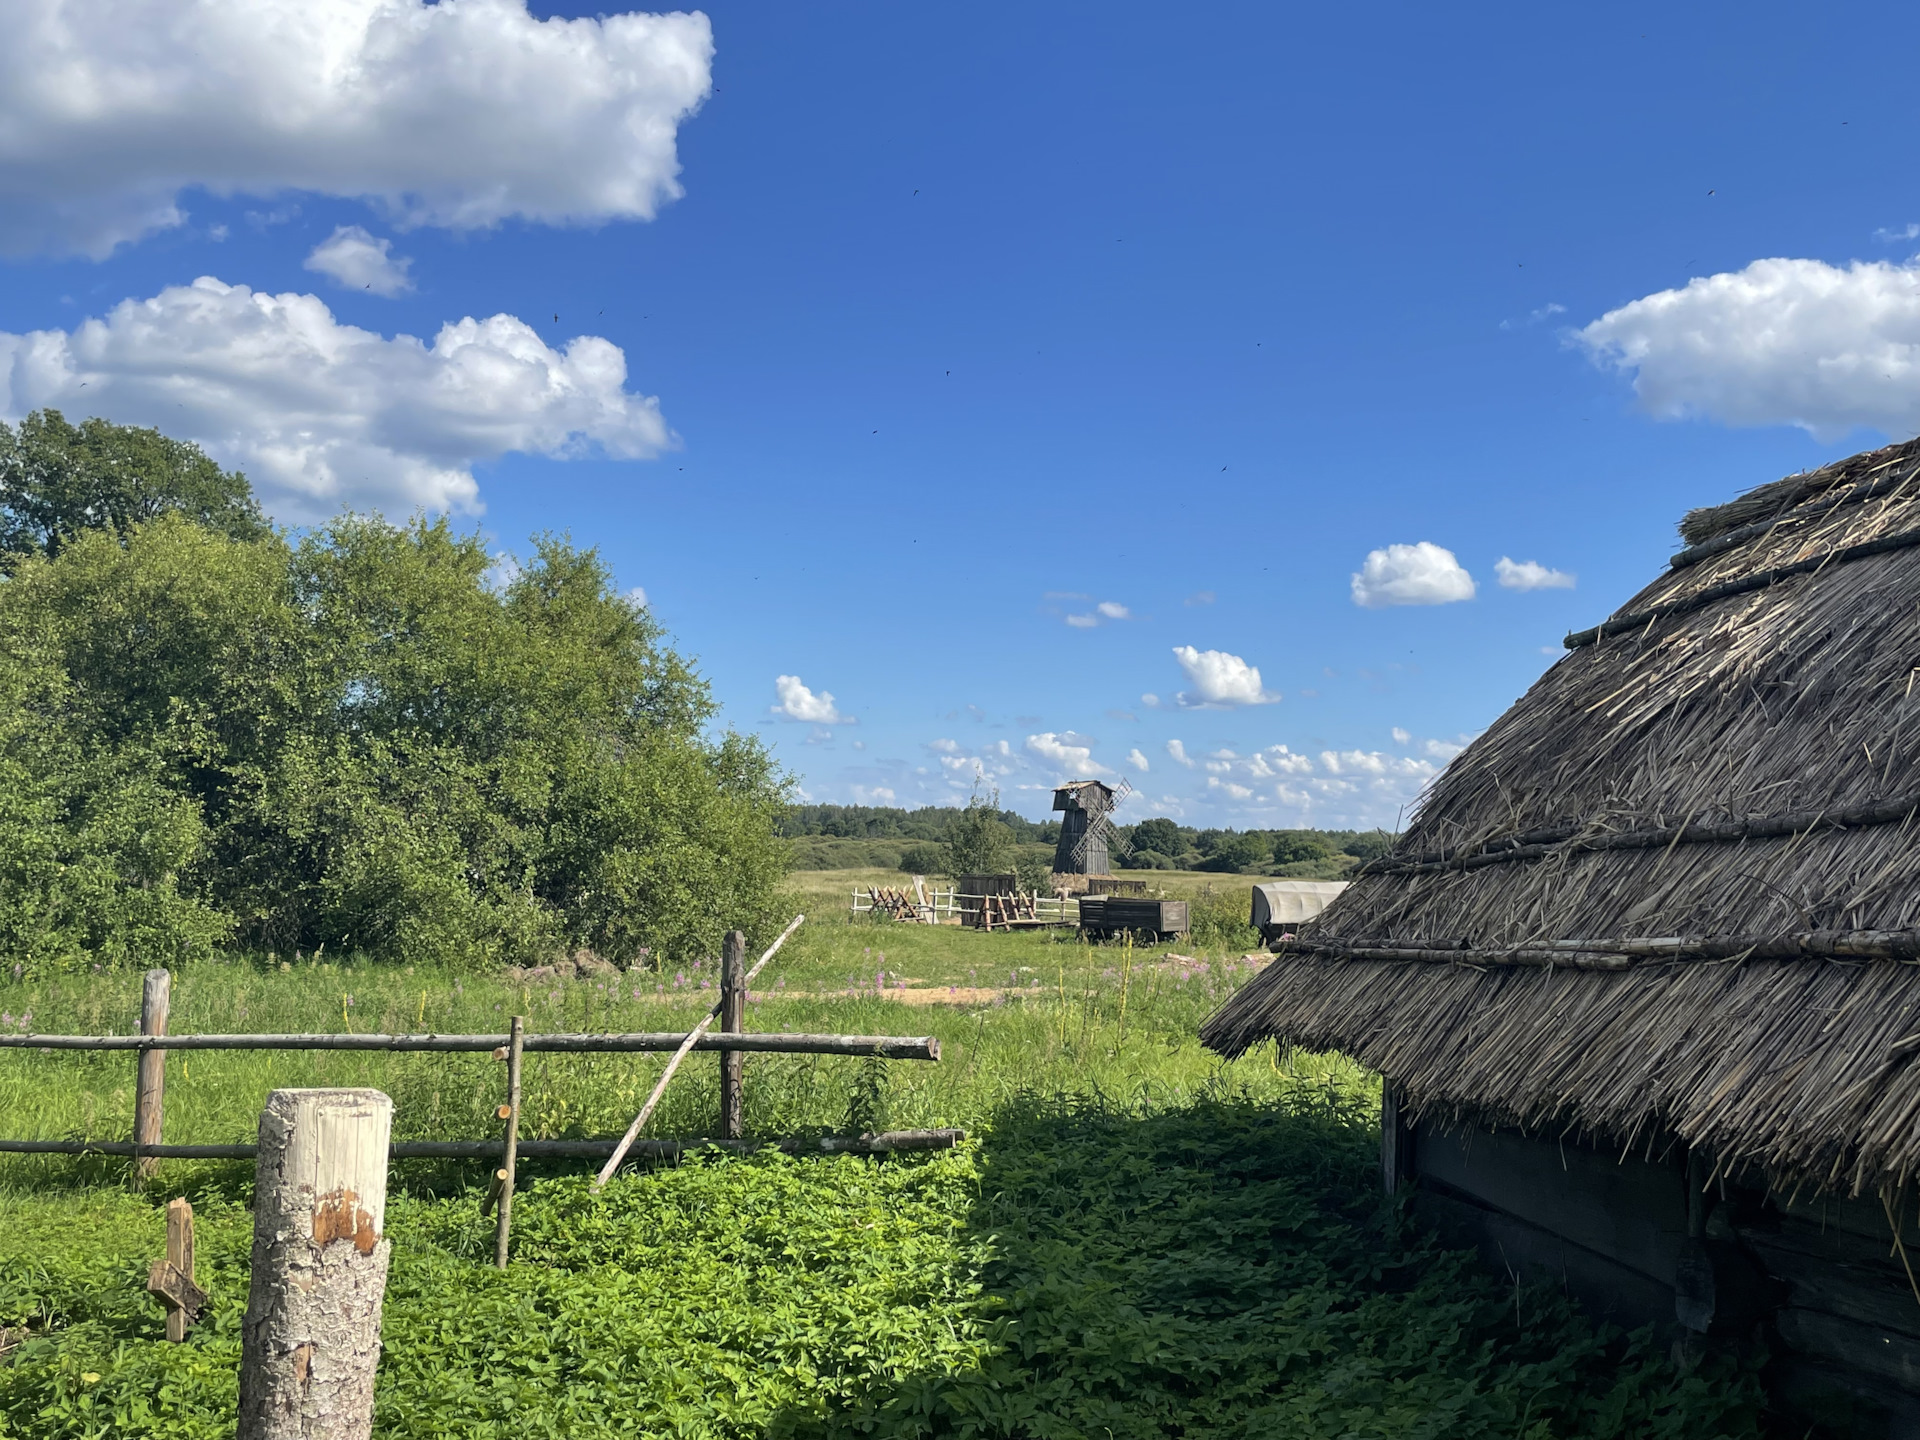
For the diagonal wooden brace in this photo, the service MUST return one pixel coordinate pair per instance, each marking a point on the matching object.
(175, 1291)
(171, 1280)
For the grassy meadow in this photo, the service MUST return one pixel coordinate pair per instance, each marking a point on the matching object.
(1136, 1240)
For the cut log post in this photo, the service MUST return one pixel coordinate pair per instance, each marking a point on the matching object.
(312, 1334)
(149, 1095)
(733, 1019)
(171, 1280)
(510, 1152)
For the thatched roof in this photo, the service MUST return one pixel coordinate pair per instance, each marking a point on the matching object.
(1676, 888)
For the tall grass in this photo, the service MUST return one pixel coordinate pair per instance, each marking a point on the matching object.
(1065, 1018)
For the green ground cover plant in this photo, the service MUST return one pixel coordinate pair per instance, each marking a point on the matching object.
(1135, 1240)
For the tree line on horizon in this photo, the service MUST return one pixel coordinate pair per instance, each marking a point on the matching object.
(923, 841)
(363, 740)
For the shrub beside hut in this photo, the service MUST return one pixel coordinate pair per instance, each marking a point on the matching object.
(1643, 976)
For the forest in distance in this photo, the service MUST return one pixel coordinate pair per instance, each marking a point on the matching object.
(922, 841)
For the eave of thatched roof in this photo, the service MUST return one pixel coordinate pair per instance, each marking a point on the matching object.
(1743, 766)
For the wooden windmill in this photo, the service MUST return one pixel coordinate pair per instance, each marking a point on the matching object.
(1087, 836)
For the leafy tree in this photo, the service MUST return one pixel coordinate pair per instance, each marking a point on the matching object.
(1231, 853)
(924, 859)
(978, 840)
(59, 481)
(366, 746)
(1291, 847)
(1158, 834)
(1368, 844)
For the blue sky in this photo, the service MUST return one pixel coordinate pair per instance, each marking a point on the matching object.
(942, 327)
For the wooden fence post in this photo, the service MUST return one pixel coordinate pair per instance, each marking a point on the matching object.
(311, 1338)
(149, 1095)
(733, 1018)
(515, 1045)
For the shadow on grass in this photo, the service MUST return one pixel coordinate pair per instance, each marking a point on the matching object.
(1228, 1269)
(1084, 1270)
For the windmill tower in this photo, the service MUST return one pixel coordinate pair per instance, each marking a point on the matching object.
(1087, 836)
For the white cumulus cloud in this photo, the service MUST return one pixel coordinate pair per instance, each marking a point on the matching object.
(461, 113)
(1105, 610)
(797, 702)
(1530, 575)
(1229, 789)
(638, 595)
(1782, 342)
(323, 415)
(1067, 752)
(1219, 678)
(1419, 574)
(1374, 762)
(1137, 760)
(357, 261)
(1178, 753)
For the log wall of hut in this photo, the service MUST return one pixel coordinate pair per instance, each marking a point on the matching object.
(1822, 1283)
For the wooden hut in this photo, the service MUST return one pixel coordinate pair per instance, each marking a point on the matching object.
(1643, 975)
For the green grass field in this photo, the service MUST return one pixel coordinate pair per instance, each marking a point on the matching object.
(1137, 1239)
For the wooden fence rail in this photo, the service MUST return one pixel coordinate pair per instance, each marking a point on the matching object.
(885, 1143)
(889, 1047)
(732, 1041)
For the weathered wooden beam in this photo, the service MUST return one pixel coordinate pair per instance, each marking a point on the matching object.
(891, 1047)
(733, 1020)
(510, 1148)
(883, 1143)
(149, 1094)
(311, 1338)
(646, 1110)
(171, 1280)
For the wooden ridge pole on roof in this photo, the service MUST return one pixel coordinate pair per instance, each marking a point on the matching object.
(646, 1111)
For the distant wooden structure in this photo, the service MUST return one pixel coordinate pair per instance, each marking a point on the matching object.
(1103, 915)
(975, 890)
(1084, 805)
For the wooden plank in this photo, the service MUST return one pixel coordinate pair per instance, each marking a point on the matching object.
(1634, 1213)
(1513, 1248)
(1396, 1140)
(1887, 1355)
(1828, 1400)
(1839, 1273)
(171, 1280)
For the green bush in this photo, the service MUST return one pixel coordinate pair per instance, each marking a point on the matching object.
(1219, 1269)
(1369, 845)
(924, 859)
(1292, 847)
(1235, 854)
(356, 741)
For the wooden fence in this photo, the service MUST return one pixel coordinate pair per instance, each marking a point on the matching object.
(147, 1147)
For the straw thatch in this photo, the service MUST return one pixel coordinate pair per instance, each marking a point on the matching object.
(1676, 887)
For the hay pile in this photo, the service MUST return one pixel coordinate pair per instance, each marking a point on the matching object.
(1676, 887)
